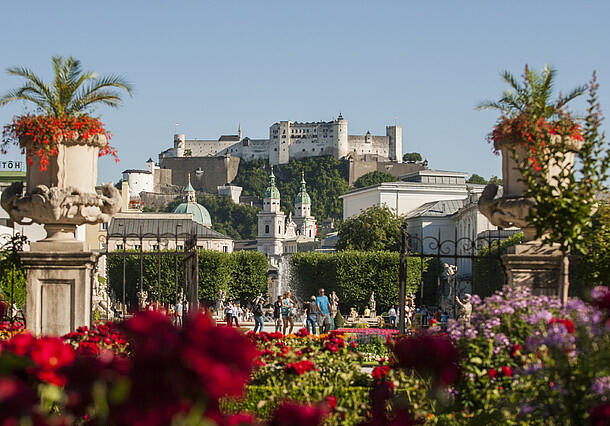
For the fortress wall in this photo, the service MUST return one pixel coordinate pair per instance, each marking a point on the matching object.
(378, 145)
(206, 148)
(361, 166)
(214, 171)
(309, 147)
(155, 200)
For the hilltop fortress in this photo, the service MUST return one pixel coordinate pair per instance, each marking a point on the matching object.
(213, 163)
(293, 140)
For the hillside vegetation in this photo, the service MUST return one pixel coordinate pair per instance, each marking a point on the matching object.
(326, 180)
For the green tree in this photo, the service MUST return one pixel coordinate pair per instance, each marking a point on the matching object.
(376, 228)
(412, 156)
(475, 178)
(72, 91)
(496, 180)
(374, 178)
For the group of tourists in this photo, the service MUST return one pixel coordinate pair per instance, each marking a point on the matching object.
(233, 312)
(317, 310)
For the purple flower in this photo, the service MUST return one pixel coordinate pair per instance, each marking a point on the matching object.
(601, 386)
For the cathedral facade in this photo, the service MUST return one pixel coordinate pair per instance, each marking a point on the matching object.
(278, 234)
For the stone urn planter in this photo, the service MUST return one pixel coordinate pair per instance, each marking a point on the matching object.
(64, 195)
(513, 150)
(513, 208)
(59, 279)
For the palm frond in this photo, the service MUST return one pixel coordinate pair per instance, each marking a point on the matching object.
(111, 80)
(33, 78)
(14, 95)
(510, 79)
(107, 97)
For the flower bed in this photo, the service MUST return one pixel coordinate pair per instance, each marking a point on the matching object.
(522, 359)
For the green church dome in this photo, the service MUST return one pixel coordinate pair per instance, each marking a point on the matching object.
(272, 191)
(302, 197)
(190, 205)
(200, 213)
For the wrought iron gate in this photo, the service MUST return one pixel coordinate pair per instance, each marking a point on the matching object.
(449, 257)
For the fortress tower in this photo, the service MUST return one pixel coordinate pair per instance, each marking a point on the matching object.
(342, 147)
(395, 146)
(179, 144)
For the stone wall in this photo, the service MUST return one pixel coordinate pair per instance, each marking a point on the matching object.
(361, 165)
(157, 201)
(207, 173)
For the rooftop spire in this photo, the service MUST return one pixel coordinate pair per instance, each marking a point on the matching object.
(190, 191)
(272, 191)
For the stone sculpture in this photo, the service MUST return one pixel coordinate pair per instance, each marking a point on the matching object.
(372, 303)
(142, 298)
(506, 211)
(60, 206)
(465, 308)
(334, 304)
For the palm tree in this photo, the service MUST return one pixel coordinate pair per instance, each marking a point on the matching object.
(73, 91)
(533, 96)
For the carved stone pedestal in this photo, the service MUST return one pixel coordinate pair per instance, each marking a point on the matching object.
(58, 287)
(536, 266)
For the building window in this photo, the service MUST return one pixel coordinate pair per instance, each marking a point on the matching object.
(119, 246)
(180, 247)
(225, 249)
(266, 229)
(155, 247)
(104, 226)
(137, 246)
(279, 229)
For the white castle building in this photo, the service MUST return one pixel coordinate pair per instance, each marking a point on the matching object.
(291, 139)
(278, 235)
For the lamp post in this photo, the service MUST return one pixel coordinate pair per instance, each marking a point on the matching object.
(178, 225)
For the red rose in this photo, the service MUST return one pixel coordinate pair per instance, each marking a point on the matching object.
(492, 372)
(600, 414)
(293, 414)
(430, 355)
(507, 371)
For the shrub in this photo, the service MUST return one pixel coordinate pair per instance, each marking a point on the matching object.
(353, 275)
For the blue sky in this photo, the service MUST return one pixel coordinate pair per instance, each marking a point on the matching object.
(211, 65)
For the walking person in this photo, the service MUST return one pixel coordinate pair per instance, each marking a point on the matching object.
(277, 314)
(229, 313)
(324, 312)
(311, 311)
(178, 313)
(392, 316)
(237, 312)
(288, 312)
(259, 323)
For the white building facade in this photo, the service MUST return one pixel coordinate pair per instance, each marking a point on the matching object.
(437, 206)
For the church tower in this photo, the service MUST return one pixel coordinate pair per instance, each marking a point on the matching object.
(271, 222)
(306, 223)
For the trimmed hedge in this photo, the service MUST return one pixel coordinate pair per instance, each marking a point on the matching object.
(353, 275)
(242, 275)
